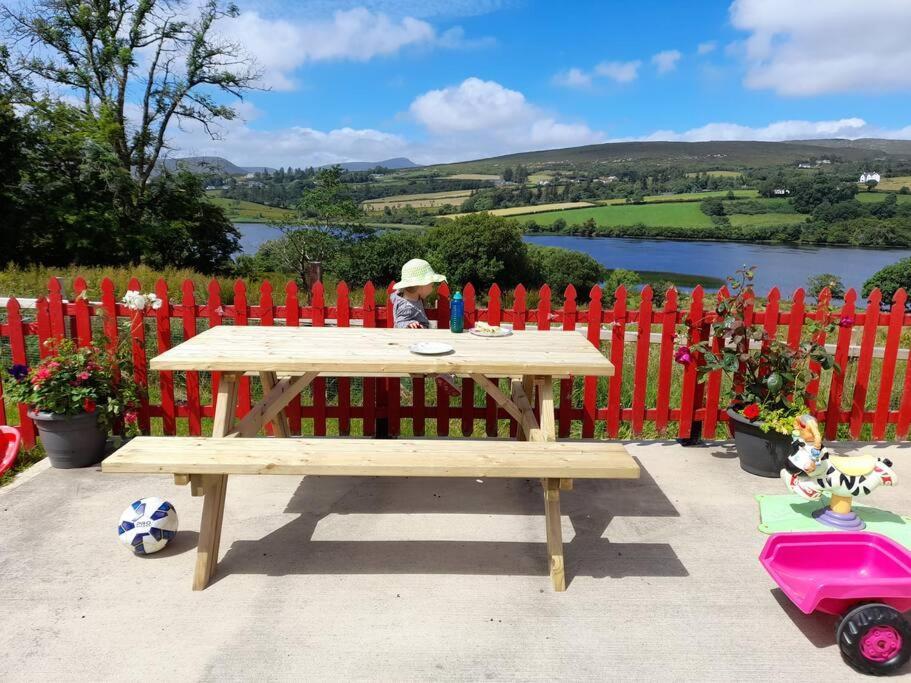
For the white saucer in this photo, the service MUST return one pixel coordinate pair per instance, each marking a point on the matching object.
(431, 348)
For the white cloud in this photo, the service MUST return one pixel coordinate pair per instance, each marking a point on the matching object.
(297, 146)
(815, 47)
(474, 119)
(706, 47)
(777, 131)
(666, 60)
(621, 72)
(281, 46)
(483, 118)
(572, 78)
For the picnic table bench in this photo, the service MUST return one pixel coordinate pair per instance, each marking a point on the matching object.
(289, 359)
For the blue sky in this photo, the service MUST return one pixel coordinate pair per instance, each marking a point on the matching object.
(458, 79)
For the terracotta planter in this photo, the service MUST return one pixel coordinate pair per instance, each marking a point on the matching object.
(761, 453)
(70, 440)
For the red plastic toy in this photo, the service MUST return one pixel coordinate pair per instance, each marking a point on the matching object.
(9, 447)
(863, 576)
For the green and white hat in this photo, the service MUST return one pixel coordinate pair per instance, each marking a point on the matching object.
(417, 273)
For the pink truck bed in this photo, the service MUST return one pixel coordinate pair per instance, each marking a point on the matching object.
(832, 571)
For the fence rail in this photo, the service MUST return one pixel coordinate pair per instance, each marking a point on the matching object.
(872, 396)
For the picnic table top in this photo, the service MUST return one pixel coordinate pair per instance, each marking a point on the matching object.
(228, 348)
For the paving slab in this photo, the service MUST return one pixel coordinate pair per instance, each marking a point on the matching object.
(327, 578)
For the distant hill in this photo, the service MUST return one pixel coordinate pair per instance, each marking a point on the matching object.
(896, 147)
(699, 155)
(217, 165)
(396, 163)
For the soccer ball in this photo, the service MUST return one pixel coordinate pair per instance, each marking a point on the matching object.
(147, 525)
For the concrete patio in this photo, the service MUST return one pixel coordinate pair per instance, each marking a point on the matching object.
(408, 579)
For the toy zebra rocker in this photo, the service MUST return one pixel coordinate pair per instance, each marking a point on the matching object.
(812, 470)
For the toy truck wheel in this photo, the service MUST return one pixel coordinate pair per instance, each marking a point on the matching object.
(875, 639)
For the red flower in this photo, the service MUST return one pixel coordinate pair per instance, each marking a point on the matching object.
(751, 412)
(683, 356)
(89, 405)
(846, 321)
(130, 417)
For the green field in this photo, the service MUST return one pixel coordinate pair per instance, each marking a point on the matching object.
(683, 214)
(240, 211)
(742, 219)
(717, 174)
(687, 197)
(873, 197)
(894, 183)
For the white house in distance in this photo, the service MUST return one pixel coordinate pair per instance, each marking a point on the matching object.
(865, 177)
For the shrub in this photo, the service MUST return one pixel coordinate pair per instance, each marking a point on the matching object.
(615, 278)
(379, 258)
(560, 268)
(890, 279)
(816, 283)
(479, 248)
(712, 206)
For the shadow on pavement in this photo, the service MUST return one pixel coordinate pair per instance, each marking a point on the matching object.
(590, 507)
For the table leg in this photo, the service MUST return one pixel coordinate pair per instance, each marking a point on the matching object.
(214, 488)
(554, 533)
(280, 422)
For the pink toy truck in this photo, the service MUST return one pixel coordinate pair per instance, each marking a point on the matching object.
(863, 577)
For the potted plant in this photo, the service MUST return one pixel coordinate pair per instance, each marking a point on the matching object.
(769, 379)
(75, 396)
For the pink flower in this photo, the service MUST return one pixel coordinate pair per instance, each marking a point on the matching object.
(83, 376)
(53, 365)
(846, 321)
(683, 356)
(42, 374)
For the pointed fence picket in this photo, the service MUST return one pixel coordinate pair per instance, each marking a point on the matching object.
(869, 398)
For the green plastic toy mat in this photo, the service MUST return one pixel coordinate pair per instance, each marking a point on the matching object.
(792, 513)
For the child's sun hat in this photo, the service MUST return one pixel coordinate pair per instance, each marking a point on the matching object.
(417, 273)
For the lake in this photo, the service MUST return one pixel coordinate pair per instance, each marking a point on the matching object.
(784, 266)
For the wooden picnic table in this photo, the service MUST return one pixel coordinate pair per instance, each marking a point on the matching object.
(288, 359)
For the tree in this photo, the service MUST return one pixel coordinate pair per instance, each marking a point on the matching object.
(562, 267)
(712, 206)
(521, 175)
(330, 213)
(616, 278)
(13, 141)
(816, 283)
(184, 229)
(871, 184)
(135, 68)
(890, 279)
(328, 203)
(507, 174)
(478, 248)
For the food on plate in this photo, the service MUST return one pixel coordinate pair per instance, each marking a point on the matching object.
(485, 329)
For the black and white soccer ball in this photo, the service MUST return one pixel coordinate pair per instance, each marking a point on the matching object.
(147, 525)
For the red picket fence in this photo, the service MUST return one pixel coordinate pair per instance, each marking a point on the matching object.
(872, 394)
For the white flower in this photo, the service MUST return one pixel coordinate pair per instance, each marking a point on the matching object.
(137, 301)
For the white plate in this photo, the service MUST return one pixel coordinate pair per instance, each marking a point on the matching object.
(431, 348)
(504, 332)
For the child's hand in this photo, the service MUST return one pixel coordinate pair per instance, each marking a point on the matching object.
(414, 326)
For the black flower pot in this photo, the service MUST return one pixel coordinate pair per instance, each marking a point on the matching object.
(761, 453)
(70, 440)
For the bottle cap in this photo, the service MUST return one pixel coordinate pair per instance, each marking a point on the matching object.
(457, 295)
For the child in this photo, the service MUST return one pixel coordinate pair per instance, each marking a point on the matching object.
(416, 284)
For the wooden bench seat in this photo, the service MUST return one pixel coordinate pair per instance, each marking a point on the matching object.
(205, 463)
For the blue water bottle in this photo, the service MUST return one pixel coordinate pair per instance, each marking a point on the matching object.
(457, 314)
